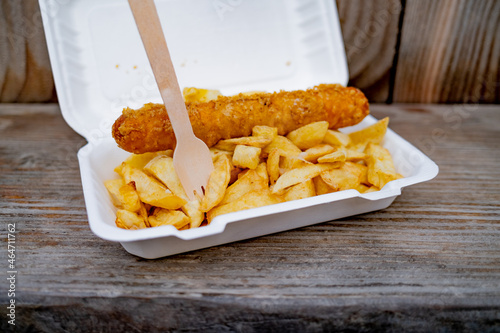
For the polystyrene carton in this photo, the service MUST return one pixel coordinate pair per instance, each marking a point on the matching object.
(100, 67)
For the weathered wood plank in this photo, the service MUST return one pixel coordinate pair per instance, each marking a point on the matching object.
(431, 259)
(39, 83)
(370, 30)
(4, 49)
(25, 71)
(450, 52)
(15, 43)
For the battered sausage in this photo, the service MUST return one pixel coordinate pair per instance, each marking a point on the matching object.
(148, 129)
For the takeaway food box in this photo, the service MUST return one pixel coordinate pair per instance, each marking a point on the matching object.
(100, 67)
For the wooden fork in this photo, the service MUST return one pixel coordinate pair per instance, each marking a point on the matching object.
(192, 158)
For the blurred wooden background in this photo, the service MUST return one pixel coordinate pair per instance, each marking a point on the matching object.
(401, 51)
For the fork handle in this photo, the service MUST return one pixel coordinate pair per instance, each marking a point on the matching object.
(150, 30)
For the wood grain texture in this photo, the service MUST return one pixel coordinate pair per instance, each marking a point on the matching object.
(450, 52)
(4, 50)
(430, 261)
(15, 43)
(25, 71)
(370, 30)
(38, 83)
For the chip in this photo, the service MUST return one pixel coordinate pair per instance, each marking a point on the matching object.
(162, 216)
(193, 210)
(353, 155)
(273, 165)
(217, 183)
(340, 179)
(362, 188)
(338, 156)
(138, 161)
(374, 133)
(360, 170)
(300, 191)
(246, 157)
(262, 171)
(252, 199)
(321, 187)
(150, 190)
(336, 138)
(215, 152)
(162, 167)
(253, 141)
(281, 142)
(381, 168)
(298, 175)
(191, 94)
(265, 131)
(309, 135)
(129, 220)
(129, 197)
(113, 187)
(312, 154)
(250, 181)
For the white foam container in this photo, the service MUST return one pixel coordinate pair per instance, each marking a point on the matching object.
(100, 66)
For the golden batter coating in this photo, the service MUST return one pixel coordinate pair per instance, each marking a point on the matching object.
(148, 129)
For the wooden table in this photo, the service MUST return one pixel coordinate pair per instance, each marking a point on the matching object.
(431, 261)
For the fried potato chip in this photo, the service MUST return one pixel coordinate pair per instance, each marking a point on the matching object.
(162, 216)
(250, 181)
(362, 188)
(193, 210)
(338, 156)
(281, 142)
(235, 174)
(162, 167)
(138, 161)
(250, 93)
(336, 138)
(191, 94)
(129, 197)
(354, 155)
(343, 154)
(113, 187)
(312, 154)
(253, 141)
(381, 168)
(217, 183)
(359, 170)
(250, 200)
(150, 190)
(129, 220)
(291, 162)
(374, 133)
(262, 171)
(298, 175)
(246, 157)
(372, 189)
(288, 163)
(349, 175)
(300, 191)
(215, 152)
(273, 165)
(309, 135)
(321, 187)
(340, 179)
(265, 131)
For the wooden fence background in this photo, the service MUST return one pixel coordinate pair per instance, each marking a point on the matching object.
(401, 51)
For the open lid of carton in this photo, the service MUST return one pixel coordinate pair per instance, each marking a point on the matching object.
(100, 66)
